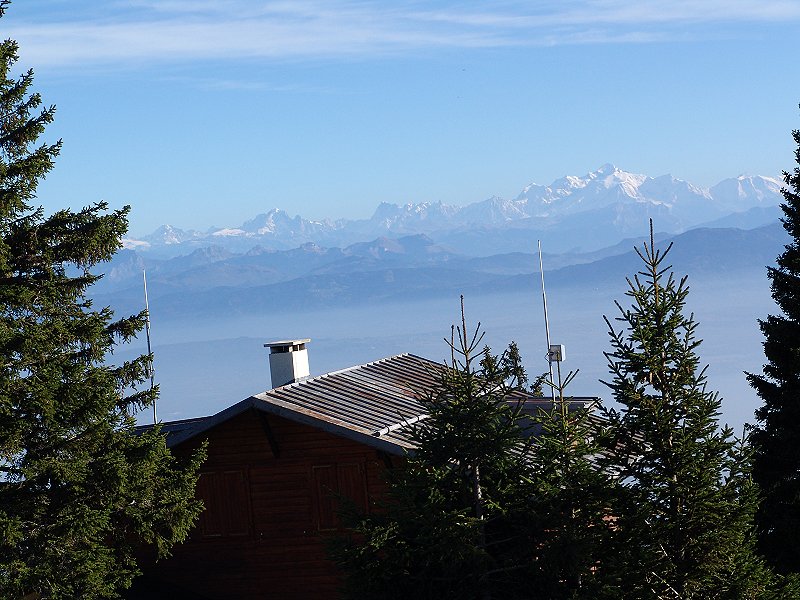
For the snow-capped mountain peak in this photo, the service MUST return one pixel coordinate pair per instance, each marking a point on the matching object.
(168, 235)
(741, 192)
(570, 194)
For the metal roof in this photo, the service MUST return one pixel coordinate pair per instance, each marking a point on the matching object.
(374, 404)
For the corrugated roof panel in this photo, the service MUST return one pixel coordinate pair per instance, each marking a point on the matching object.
(337, 399)
(371, 396)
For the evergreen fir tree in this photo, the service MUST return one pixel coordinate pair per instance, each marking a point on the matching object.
(776, 437)
(571, 499)
(79, 491)
(481, 509)
(686, 514)
(447, 529)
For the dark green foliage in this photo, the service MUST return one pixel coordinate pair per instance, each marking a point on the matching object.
(78, 490)
(687, 505)
(572, 501)
(481, 510)
(451, 526)
(776, 437)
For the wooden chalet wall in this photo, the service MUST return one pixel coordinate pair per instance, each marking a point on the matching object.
(266, 487)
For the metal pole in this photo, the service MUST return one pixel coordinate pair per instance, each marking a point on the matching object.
(149, 350)
(546, 324)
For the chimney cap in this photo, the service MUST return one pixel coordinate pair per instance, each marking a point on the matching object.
(284, 346)
(287, 342)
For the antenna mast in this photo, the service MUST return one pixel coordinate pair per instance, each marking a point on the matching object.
(149, 350)
(546, 324)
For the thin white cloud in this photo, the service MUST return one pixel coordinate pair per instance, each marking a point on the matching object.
(250, 85)
(161, 31)
(625, 13)
(648, 12)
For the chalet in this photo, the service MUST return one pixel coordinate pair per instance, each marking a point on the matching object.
(276, 462)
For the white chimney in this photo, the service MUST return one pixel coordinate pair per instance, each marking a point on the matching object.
(288, 361)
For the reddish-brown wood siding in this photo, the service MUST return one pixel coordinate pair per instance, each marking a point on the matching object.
(262, 536)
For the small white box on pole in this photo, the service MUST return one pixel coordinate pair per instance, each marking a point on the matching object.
(557, 353)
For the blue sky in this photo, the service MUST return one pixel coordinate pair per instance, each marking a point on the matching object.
(202, 113)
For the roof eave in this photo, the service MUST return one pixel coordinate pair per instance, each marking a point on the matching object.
(298, 415)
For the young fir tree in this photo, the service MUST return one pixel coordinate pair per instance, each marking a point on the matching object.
(572, 499)
(776, 438)
(481, 510)
(686, 515)
(79, 491)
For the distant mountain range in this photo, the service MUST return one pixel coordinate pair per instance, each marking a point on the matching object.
(275, 262)
(572, 214)
(214, 282)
